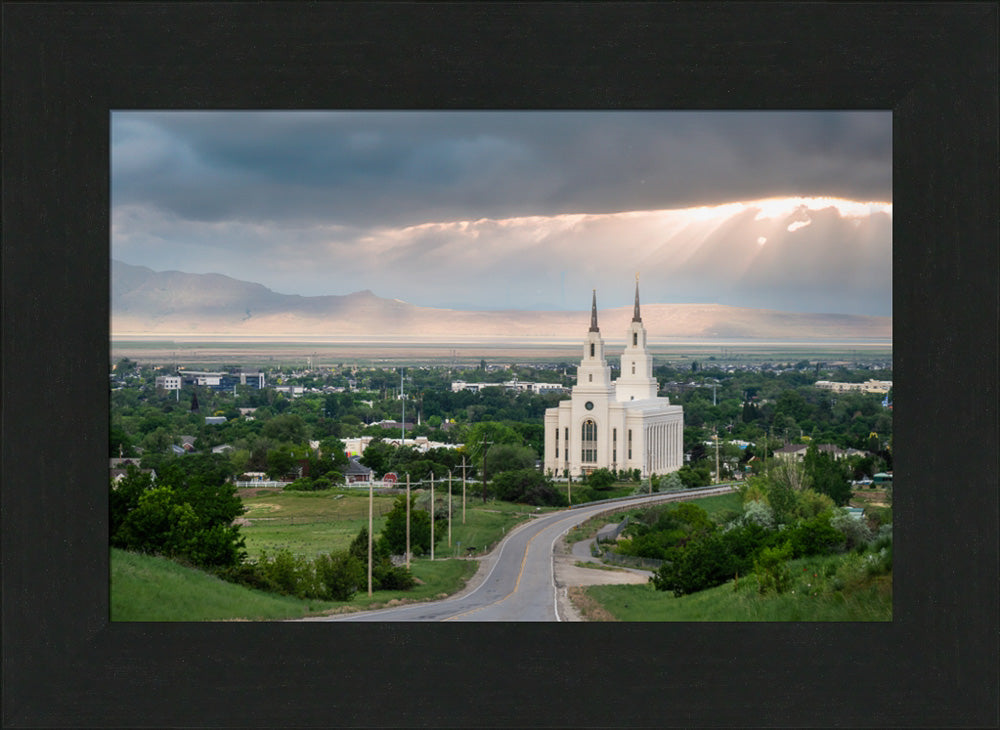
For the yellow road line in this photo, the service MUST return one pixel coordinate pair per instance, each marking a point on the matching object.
(517, 583)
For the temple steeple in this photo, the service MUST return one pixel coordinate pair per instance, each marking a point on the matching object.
(635, 314)
(594, 373)
(636, 381)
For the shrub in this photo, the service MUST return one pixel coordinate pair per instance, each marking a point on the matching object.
(855, 531)
(283, 572)
(394, 532)
(880, 562)
(527, 486)
(771, 569)
(702, 563)
(338, 575)
(385, 575)
(600, 479)
(815, 536)
(758, 513)
(388, 577)
(811, 503)
(307, 484)
(671, 482)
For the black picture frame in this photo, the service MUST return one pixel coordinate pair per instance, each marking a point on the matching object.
(67, 65)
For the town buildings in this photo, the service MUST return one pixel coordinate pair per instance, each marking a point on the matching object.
(616, 425)
(514, 385)
(215, 381)
(881, 387)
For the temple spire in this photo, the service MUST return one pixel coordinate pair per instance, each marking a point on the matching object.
(635, 314)
(593, 314)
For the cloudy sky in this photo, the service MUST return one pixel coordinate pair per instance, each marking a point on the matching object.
(524, 210)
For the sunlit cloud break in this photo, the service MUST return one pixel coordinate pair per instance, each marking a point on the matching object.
(510, 210)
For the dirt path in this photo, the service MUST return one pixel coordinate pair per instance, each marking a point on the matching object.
(574, 604)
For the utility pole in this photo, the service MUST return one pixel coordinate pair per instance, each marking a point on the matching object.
(717, 475)
(432, 515)
(402, 426)
(449, 508)
(463, 490)
(569, 488)
(407, 520)
(485, 449)
(371, 501)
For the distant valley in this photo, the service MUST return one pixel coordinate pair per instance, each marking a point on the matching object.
(148, 303)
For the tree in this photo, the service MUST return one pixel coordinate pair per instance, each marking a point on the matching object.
(601, 479)
(527, 486)
(394, 531)
(157, 441)
(509, 457)
(332, 449)
(280, 462)
(287, 427)
(490, 433)
(378, 455)
(385, 575)
(828, 476)
(695, 476)
(119, 443)
(791, 474)
(671, 482)
(339, 575)
(188, 514)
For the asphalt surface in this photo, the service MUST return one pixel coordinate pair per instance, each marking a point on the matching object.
(516, 582)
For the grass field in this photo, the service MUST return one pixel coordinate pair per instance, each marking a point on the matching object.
(814, 596)
(309, 523)
(148, 588)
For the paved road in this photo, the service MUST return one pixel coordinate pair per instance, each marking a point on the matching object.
(520, 581)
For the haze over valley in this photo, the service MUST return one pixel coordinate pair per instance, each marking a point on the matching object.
(173, 304)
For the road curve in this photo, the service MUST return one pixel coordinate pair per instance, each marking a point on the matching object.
(520, 582)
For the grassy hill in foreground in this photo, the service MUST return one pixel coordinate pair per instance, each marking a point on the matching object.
(830, 588)
(149, 588)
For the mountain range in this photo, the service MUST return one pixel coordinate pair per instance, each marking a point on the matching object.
(174, 304)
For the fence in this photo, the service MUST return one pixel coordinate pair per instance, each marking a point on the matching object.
(630, 561)
(610, 534)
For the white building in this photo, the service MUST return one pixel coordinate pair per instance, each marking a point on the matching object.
(168, 382)
(615, 425)
(516, 385)
(356, 445)
(869, 386)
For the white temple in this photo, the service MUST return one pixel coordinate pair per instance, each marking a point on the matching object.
(619, 424)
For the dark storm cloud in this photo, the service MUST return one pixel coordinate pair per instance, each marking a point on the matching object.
(389, 169)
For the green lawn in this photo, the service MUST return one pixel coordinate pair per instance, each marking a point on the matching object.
(308, 539)
(309, 523)
(148, 588)
(813, 597)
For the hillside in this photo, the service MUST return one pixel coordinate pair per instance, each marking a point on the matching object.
(147, 302)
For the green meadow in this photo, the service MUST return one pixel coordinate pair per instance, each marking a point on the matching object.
(151, 588)
(830, 588)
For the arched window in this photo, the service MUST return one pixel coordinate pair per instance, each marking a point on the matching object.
(635, 339)
(591, 349)
(589, 445)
